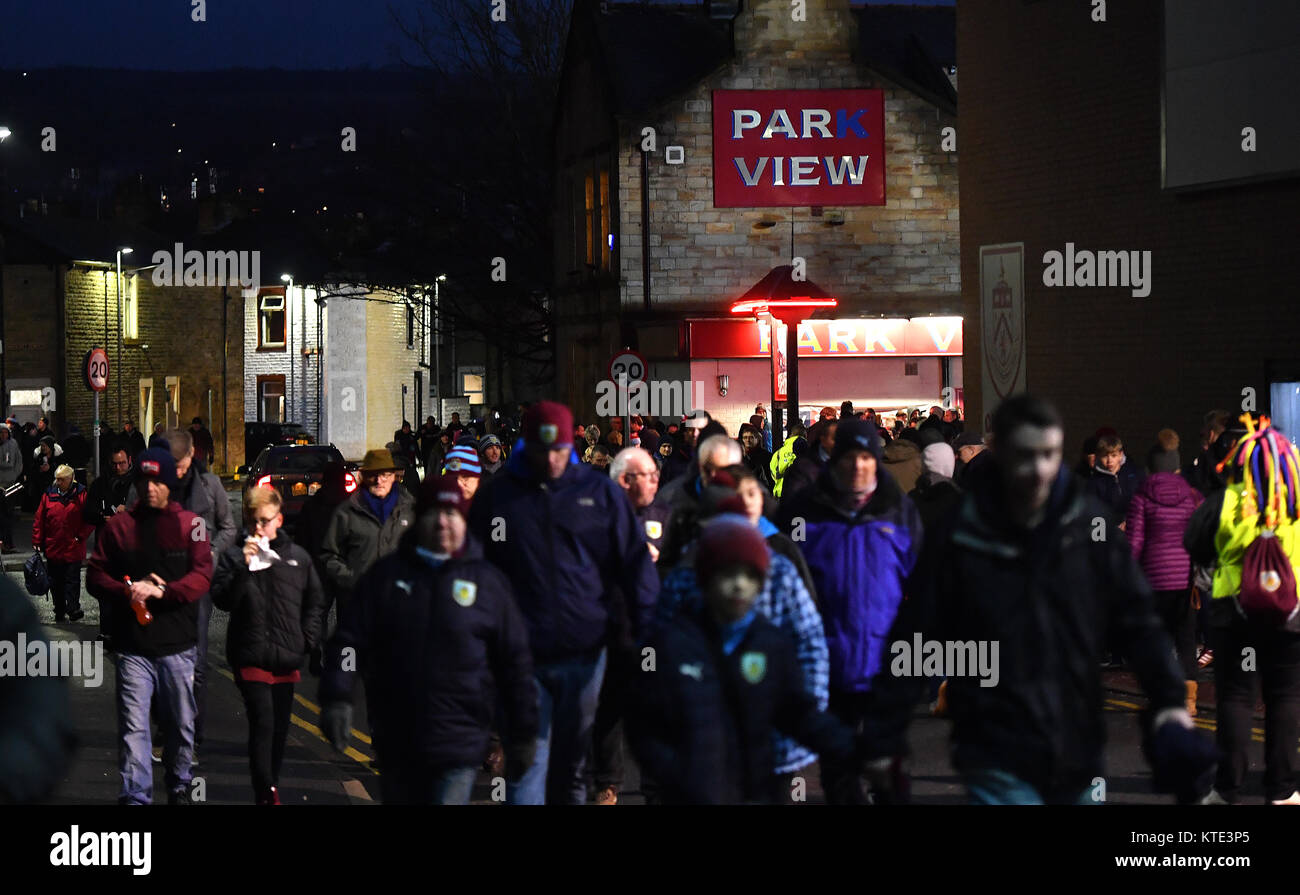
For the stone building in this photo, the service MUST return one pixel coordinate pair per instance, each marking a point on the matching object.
(174, 351)
(624, 211)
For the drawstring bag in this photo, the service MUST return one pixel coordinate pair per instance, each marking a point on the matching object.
(1268, 592)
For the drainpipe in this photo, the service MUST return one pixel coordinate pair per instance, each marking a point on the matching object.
(645, 229)
(225, 369)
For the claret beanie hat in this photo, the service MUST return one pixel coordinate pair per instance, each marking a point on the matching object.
(854, 434)
(156, 463)
(462, 460)
(441, 491)
(730, 540)
(549, 424)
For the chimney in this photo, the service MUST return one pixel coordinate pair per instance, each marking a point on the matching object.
(767, 29)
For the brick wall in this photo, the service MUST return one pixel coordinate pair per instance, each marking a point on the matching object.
(1060, 141)
(183, 328)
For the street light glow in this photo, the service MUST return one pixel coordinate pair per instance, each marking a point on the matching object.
(284, 278)
(4, 132)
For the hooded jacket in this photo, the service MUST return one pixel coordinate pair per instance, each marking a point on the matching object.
(903, 460)
(436, 646)
(568, 542)
(11, 462)
(859, 559)
(1050, 598)
(59, 528)
(1157, 518)
(275, 613)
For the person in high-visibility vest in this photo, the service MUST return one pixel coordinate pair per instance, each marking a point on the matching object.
(795, 444)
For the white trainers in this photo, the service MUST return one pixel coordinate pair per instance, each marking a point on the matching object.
(1213, 798)
(1293, 799)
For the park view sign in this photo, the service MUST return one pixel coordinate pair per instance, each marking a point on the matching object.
(798, 148)
(867, 337)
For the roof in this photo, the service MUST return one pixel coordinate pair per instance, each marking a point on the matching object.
(908, 44)
(48, 240)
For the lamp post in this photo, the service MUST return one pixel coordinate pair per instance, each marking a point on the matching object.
(4, 208)
(122, 250)
(437, 345)
(288, 335)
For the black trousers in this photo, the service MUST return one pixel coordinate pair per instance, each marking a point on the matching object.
(268, 707)
(6, 521)
(607, 731)
(1272, 664)
(65, 586)
(842, 781)
(1175, 609)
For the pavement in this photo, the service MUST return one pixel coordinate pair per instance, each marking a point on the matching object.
(314, 773)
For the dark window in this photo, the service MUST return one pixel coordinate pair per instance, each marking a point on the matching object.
(303, 461)
(410, 325)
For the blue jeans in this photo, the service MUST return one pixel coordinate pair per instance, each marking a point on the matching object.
(201, 668)
(138, 679)
(567, 694)
(990, 786)
(402, 784)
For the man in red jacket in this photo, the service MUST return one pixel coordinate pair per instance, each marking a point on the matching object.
(154, 563)
(59, 531)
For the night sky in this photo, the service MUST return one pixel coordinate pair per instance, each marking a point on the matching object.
(159, 35)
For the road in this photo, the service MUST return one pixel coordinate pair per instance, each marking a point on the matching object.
(315, 774)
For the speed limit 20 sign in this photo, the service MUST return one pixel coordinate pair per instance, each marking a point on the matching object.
(96, 369)
(628, 366)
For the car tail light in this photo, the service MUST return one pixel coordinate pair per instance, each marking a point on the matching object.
(351, 483)
(263, 482)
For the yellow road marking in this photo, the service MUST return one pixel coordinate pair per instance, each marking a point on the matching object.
(1256, 733)
(315, 708)
(359, 757)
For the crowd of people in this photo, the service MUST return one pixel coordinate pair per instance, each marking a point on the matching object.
(547, 599)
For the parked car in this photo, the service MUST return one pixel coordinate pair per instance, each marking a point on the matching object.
(296, 471)
(259, 435)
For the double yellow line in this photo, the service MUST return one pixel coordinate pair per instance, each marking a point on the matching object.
(355, 754)
(1256, 733)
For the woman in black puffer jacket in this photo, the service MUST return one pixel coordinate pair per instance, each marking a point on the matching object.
(269, 586)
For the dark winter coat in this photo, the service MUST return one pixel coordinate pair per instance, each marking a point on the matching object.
(1157, 518)
(567, 543)
(355, 540)
(1115, 491)
(202, 494)
(107, 494)
(1052, 599)
(143, 541)
(803, 472)
(134, 441)
(275, 613)
(59, 529)
(702, 722)
(935, 497)
(436, 647)
(859, 559)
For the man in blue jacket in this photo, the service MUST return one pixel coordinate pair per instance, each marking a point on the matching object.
(567, 537)
(860, 535)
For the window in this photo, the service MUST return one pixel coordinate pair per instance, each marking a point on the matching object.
(173, 386)
(146, 408)
(270, 399)
(471, 383)
(605, 247)
(590, 206)
(270, 326)
(130, 305)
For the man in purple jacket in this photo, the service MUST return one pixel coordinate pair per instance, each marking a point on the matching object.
(1157, 518)
(860, 535)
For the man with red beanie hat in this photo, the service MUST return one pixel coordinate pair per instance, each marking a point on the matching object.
(436, 632)
(724, 677)
(567, 537)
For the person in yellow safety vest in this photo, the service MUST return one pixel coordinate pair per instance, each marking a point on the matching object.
(786, 455)
(1262, 471)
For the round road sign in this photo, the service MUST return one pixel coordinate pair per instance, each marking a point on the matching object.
(97, 369)
(628, 365)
